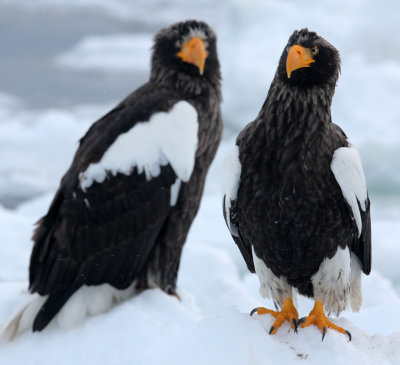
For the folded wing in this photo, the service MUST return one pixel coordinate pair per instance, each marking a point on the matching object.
(347, 168)
(230, 187)
(108, 213)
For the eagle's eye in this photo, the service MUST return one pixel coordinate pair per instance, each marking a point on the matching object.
(314, 50)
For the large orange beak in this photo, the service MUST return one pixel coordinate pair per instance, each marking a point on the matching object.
(298, 57)
(194, 51)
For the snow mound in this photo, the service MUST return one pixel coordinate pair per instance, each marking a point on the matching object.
(154, 328)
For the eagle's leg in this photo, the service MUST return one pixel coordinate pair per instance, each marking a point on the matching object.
(317, 317)
(287, 313)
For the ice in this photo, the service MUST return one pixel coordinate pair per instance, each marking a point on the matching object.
(29, 139)
(386, 248)
(109, 53)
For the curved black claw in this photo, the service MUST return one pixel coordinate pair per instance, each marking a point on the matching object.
(348, 334)
(323, 333)
(271, 329)
(295, 324)
(253, 311)
(301, 320)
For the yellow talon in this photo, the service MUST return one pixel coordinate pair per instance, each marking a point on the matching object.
(318, 318)
(287, 313)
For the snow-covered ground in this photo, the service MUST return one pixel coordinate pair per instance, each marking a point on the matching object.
(211, 325)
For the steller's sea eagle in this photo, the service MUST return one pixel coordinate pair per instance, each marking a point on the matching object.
(295, 198)
(121, 215)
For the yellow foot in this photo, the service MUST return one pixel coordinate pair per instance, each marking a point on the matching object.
(318, 318)
(287, 313)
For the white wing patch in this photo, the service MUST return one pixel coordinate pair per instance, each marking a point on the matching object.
(168, 137)
(230, 183)
(175, 187)
(347, 168)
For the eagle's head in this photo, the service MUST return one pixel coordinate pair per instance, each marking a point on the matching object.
(186, 50)
(308, 60)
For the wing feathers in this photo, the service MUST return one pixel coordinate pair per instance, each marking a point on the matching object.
(230, 186)
(114, 200)
(149, 145)
(109, 242)
(347, 168)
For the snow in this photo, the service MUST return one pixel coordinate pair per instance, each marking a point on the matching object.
(211, 323)
(347, 167)
(148, 145)
(40, 135)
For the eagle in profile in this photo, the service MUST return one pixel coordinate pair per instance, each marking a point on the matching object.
(120, 217)
(295, 198)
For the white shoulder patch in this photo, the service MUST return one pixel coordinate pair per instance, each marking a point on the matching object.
(230, 183)
(175, 188)
(168, 137)
(347, 168)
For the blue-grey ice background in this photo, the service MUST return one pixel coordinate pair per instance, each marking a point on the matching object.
(64, 63)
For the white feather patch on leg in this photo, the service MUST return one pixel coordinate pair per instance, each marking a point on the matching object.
(331, 283)
(355, 285)
(91, 300)
(271, 285)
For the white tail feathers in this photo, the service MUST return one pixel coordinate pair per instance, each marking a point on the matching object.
(23, 317)
(86, 301)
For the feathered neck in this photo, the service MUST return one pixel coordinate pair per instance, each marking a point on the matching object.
(295, 107)
(294, 122)
(185, 84)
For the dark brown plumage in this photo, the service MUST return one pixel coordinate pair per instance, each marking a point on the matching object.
(291, 208)
(129, 226)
